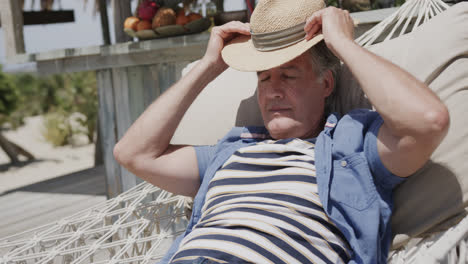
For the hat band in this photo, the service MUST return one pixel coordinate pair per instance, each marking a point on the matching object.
(278, 39)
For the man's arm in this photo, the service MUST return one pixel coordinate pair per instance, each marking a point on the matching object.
(415, 120)
(145, 150)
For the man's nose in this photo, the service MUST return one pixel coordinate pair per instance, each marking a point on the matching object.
(275, 89)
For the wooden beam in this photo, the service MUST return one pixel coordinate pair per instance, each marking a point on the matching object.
(100, 62)
(122, 10)
(11, 14)
(47, 17)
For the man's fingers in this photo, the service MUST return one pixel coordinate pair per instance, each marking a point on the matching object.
(313, 24)
(234, 27)
(312, 32)
(309, 23)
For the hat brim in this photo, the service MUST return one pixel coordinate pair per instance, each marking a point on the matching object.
(241, 54)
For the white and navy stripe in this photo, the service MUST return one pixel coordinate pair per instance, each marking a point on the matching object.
(262, 206)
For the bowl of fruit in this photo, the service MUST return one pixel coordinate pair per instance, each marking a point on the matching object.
(153, 21)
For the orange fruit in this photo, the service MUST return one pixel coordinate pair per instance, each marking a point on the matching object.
(194, 16)
(164, 17)
(181, 11)
(143, 24)
(182, 19)
(131, 22)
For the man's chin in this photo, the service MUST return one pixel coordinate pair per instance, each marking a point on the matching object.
(281, 128)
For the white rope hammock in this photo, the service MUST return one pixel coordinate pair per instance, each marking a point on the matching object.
(446, 247)
(416, 12)
(139, 225)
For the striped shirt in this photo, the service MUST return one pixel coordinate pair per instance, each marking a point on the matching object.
(262, 206)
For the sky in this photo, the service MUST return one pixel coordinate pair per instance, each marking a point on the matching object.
(85, 31)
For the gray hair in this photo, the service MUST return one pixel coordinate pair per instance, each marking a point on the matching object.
(323, 59)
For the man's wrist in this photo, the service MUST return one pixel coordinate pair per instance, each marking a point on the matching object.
(342, 47)
(213, 67)
(204, 72)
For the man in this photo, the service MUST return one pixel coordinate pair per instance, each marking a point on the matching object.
(307, 188)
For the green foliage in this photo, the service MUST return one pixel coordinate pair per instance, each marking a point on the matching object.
(8, 97)
(58, 97)
(83, 88)
(31, 99)
(77, 94)
(57, 129)
(332, 3)
(399, 2)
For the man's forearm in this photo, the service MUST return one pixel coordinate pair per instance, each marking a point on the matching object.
(407, 105)
(152, 131)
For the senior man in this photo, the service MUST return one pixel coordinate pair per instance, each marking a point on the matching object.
(309, 187)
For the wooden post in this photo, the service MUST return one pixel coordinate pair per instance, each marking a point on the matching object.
(122, 10)
(11, 14)
(108, 129)
(104, 22)
(252, 4)
(219, 5)
(118, 178)
(122, 89)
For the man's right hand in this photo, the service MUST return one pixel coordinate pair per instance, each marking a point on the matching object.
(221, 35)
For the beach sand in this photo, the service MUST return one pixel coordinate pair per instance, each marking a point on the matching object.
(58, 183)
(51, 162)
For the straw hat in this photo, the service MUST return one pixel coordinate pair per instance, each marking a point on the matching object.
(277, 35)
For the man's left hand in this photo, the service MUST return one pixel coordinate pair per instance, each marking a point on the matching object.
(336, 26)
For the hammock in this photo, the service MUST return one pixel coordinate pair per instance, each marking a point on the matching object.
(448, 247)
(425, 9)
(139, 226)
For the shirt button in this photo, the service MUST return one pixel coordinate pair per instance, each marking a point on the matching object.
(344, 163)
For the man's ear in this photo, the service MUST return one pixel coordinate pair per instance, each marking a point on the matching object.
(328, 82)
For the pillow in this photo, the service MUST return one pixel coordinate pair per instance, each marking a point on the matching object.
(215, 111)
(437, 54)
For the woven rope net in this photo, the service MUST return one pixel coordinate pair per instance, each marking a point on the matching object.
(449, 247)
(137, 226)
(406, 19)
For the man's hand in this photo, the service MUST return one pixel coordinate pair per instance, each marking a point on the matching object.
(219, 37)
(336, 25)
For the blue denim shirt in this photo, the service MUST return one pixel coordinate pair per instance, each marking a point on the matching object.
(354, 186)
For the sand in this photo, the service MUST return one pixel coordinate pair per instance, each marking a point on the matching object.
(51, 162)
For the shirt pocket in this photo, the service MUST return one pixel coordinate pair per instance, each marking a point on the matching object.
(352, 183)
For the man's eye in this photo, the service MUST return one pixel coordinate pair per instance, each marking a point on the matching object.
(289, 77)
(265, 79)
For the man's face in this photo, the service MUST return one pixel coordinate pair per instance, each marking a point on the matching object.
(292, 99)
